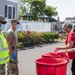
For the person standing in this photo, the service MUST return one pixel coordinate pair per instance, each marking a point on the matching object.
(69, 43)
(4, 52)
(12, 40)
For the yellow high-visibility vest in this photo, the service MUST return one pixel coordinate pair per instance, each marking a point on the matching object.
(4, 51)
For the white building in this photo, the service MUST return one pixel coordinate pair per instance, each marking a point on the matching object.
(70, 20)
(9, 9)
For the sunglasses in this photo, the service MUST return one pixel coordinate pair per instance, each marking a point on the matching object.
(3, 22)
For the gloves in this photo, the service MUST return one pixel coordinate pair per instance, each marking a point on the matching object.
(14, 56)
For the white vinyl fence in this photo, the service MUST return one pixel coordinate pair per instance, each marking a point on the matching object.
(31, 26)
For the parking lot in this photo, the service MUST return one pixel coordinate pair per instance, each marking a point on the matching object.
(28, 55)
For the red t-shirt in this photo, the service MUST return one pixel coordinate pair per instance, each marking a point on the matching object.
(70, 37)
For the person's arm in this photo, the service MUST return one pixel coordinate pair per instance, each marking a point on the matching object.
(70, 50)
(9, 40)
(70, 40)
(68, 46)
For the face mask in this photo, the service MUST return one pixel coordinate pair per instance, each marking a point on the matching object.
(17, 26)
(2, 26)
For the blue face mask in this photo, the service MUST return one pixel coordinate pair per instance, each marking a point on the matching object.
(17, 26)
(2, 26)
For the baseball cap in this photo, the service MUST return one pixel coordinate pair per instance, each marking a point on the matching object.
(2, 20)
(15, 20)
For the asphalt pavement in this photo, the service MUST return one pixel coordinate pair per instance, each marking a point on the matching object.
(28, 55)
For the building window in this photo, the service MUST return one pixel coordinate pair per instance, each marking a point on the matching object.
(5, 10)
(55, 27)
(13, 12)
(9, 11)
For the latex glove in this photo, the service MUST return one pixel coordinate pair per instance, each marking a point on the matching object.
(14, 56)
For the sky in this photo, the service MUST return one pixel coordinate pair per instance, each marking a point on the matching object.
(65, 8)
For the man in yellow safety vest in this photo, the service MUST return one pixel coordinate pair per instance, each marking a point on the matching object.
(4, 52)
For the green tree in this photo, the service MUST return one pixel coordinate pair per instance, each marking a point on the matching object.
(22, 10)
(34, 7)
(50, 11)
(37, 7)
(24, 7)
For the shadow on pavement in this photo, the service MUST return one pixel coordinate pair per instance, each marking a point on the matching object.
(38, 45)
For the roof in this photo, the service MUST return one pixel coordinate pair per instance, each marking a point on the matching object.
(43, 16)
(52, 20)
(27, 15)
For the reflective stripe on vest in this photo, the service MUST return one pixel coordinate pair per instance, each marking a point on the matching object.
(2, 59)
(4, 52)
(2, 49)
(5, 45)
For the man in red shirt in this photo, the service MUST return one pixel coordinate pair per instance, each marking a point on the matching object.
(69, 43)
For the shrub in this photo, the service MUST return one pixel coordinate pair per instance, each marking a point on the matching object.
(46, 36)
(20, 37)
(36, 37)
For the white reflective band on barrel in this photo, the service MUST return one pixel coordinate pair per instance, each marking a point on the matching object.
(2, 59)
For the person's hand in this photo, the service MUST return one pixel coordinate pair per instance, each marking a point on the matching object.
(55, 51)
(59, 47)
(66, 50)
(14, 56)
